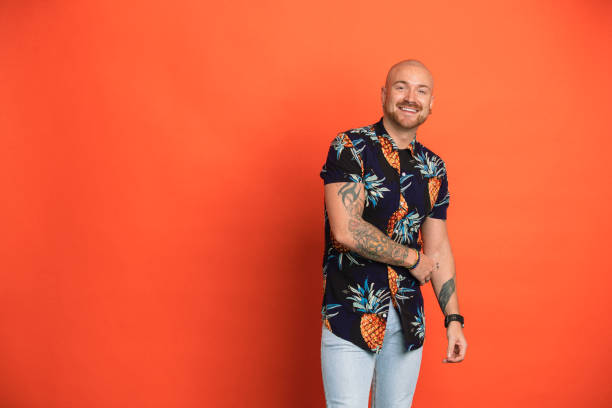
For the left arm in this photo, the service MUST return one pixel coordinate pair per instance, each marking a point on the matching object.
(437, 246)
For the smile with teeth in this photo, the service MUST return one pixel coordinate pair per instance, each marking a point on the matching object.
(407, 109)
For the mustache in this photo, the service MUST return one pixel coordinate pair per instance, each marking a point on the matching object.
(410, 105)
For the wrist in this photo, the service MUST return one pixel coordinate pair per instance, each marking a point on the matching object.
(415, 260)
(453, 318)
(454, 324)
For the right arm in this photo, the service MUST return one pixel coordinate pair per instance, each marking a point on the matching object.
(344, 203)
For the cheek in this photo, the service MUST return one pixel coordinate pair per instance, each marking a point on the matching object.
(426, 103)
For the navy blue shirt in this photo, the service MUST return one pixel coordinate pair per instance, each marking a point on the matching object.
(402, 188)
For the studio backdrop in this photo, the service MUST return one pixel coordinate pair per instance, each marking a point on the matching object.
(162, 210)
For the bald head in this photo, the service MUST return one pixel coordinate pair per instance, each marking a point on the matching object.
(408, 64)
(407, 97)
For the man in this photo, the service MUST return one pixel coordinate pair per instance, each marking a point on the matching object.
(386, 197)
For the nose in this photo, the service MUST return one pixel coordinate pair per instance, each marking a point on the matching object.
(411, 95)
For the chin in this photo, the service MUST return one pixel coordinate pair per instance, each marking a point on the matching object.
(410, 124)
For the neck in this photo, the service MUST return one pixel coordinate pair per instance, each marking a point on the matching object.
(402, 137)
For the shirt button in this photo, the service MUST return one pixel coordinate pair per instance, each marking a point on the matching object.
(403, 173)
(384, 315)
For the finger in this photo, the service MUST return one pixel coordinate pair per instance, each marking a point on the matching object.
(450, 348)
(458, 353)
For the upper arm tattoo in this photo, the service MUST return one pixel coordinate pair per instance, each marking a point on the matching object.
(351, 195)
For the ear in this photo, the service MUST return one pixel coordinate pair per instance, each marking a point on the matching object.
(431, 103)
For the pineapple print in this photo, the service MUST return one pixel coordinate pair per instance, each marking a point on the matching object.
(403, 223)
(434, 188)
(372, 304)
(420, 240)
(432, 168)
(390, 153)
(342, 141)
(397, 215)
(418, 325)
(325, 315)
(389, 149)
(367, 131)
(392, 283)
(397, 291)
(373, 186)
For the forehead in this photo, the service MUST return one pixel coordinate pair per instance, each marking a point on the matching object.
(412, 74)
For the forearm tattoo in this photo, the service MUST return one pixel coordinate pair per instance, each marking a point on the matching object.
(445, 293)
(370, 242)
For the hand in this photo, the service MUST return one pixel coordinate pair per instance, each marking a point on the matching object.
(456, 343)
(424, 269)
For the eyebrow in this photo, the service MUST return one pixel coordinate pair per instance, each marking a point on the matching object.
(406, 83)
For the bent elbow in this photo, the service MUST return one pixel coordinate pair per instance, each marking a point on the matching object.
(341, 239)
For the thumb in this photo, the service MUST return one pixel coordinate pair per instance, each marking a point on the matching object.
(450, 348)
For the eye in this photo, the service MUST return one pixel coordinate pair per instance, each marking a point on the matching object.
(422, 91)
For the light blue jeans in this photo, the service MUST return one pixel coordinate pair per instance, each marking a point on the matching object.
(349, 371)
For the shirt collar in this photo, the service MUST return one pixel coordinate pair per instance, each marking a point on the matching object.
(381, 131)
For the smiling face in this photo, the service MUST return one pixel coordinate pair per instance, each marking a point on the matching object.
(407, 97)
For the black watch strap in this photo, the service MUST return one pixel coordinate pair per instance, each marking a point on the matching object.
(453, 318)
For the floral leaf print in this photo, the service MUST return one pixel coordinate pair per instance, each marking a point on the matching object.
(325, 311)
(342, 141)
(445, 200)
(325, 315)
(429, 166)
(373, 187)
(419, 324)
(404, 229)
(403, 180)
(366, 300)
(371, 303)
(367, 131)
(404, 291)
(395, 285)
(340, 256)
(433, 170)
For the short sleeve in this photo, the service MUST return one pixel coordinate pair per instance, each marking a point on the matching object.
(442, 200)
(344, 160)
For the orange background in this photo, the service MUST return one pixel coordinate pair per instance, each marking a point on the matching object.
(163, 213)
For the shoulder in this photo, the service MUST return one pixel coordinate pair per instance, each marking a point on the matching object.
(355, 140)
(356, 136)
(424, 150)
(432, 161)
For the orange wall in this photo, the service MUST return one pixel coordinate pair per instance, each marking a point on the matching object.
(162, 219)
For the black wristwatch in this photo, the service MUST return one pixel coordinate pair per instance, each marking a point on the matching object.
(452, 318)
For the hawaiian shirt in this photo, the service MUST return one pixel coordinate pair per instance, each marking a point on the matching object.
(402, 186)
